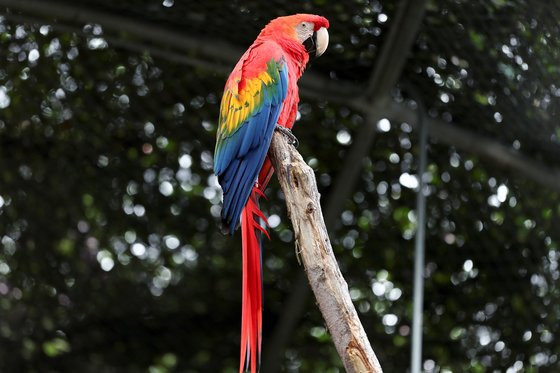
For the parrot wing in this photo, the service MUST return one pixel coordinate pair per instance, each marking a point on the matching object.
(249, 111)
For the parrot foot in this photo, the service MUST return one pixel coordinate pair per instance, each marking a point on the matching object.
(288, 133)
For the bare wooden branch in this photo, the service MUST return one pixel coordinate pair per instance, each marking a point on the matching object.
(312, 241)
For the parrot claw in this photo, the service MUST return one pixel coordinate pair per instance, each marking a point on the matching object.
(288, 133)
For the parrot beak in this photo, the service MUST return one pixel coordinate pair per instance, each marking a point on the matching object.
(317, 44)
(322, 38)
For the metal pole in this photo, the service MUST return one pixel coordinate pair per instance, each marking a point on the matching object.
(419, 249)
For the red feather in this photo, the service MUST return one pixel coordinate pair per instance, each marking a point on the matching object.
(251, 312)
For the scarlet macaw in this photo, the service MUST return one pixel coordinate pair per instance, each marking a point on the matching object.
(260, 93)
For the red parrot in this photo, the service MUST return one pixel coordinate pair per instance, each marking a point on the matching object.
(261, 94)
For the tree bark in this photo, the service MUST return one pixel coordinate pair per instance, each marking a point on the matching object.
(312, 242)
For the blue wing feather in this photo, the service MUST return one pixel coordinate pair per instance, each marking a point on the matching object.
(242, 153)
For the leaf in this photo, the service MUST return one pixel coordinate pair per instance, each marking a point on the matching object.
(55, 347)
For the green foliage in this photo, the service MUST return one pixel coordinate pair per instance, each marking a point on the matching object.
(55, 347)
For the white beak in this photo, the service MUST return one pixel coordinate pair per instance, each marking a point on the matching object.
(322, 41)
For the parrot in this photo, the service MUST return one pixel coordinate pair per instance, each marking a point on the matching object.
(260, 96)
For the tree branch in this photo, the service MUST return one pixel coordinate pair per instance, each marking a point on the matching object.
(331, 290)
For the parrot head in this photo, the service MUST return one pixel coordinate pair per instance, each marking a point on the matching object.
(309, 30)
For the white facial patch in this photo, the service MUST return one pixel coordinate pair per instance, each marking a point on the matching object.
(304, 31)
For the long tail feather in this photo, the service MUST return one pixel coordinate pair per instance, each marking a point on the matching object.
(251, 313)
(265, 174)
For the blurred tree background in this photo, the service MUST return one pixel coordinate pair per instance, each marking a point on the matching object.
(111, 260)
